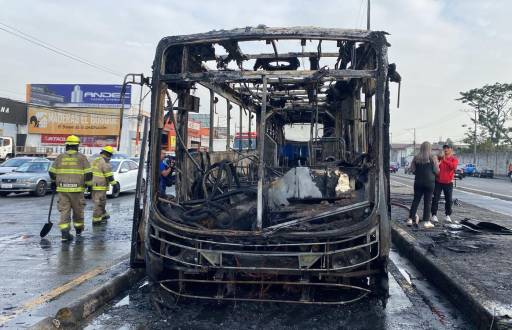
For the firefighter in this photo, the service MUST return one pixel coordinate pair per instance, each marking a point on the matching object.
(70, 173)
(102, 177)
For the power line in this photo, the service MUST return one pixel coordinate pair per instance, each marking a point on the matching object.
(25, 36)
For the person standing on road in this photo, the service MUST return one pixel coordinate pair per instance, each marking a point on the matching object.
(102, 177)
(444, 182)
(424, 166)
(70, 173)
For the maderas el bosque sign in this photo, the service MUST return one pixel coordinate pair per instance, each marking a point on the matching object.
(78, 121)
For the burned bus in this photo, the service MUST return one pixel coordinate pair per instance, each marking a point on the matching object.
(301, 217)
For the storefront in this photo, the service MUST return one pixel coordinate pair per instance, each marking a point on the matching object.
(13, 120)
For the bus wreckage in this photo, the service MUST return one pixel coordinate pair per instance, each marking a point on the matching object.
(302, 216)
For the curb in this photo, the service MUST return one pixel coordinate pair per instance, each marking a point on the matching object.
(465, 298)
(76, 312)
(485, 193)
(470, 190)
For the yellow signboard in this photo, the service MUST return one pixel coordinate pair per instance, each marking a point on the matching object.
(79, 121)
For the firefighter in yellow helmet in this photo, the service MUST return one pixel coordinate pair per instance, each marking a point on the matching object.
(70, 173)
(102, 177)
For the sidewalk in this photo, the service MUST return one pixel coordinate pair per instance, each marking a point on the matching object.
(473, 269)
(466, 189)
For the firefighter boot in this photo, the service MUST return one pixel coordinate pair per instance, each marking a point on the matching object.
(79, 231)
(66, 236)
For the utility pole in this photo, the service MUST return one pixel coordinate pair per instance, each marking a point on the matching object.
(474, 139)
(413, 140)
(368, 15)
(475, 121)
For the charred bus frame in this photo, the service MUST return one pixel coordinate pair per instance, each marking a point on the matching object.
(237, 228)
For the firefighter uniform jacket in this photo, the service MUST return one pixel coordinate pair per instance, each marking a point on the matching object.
(71, 171)
(101, 174)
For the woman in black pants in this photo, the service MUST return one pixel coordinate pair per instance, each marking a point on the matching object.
(425, 168)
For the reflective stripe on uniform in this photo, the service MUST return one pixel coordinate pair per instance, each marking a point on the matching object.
(78, 224)
(100, 188)
(100, 174)
(63, 226)
(69, 171)
(69, 189)
(97, 219)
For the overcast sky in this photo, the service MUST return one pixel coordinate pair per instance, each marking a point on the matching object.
(440, 47)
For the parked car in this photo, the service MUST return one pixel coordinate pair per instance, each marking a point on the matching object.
(459, 172)
(13, 163)
(116, 155)
(484, 173)
(393, 167)
(125, 173)
(470, 169)
(30, 177)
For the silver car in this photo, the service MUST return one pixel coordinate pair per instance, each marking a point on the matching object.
(13, 163)
(30, 177)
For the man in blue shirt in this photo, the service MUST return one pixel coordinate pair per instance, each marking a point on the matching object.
(165, 170)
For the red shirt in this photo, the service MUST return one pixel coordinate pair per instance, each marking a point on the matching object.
(447, 168)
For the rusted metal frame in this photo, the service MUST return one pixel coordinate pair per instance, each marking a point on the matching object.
(338, 210)
(249, 115)
(272, 269)
(228, 93)
(303, 302)
(212, 122)
(269, 254)
(261, 152)
(228, 124)
(381, 201)
(285, 55)
(183, 182)
(256, 234)
(160, 229)
(265, 33)
(296, 92)
(240, 130)
(234, 76)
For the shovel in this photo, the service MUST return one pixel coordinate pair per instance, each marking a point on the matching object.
(48, 226)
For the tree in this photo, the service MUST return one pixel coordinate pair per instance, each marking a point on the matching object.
(494, 106)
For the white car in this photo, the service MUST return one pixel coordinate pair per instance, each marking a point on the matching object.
(125, 173)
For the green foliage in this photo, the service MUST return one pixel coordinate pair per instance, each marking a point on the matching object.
(494, 106)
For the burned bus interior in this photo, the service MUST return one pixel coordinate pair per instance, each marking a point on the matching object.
(299, 213)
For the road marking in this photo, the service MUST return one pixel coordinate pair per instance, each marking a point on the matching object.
(56, 292)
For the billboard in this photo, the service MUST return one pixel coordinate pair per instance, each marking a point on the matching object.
(78, 95)
(13, 112)
(78, 121)
(85, 141)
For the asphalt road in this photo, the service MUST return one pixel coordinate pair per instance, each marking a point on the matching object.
(501, 186)
(34, 270)
(37, 273)
(489, 203)
(413, 304)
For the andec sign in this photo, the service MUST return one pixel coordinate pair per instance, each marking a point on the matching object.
(13, 112)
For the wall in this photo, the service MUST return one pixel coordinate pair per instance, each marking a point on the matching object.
(497, 162)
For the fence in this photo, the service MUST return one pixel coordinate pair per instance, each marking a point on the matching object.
(497, 161)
